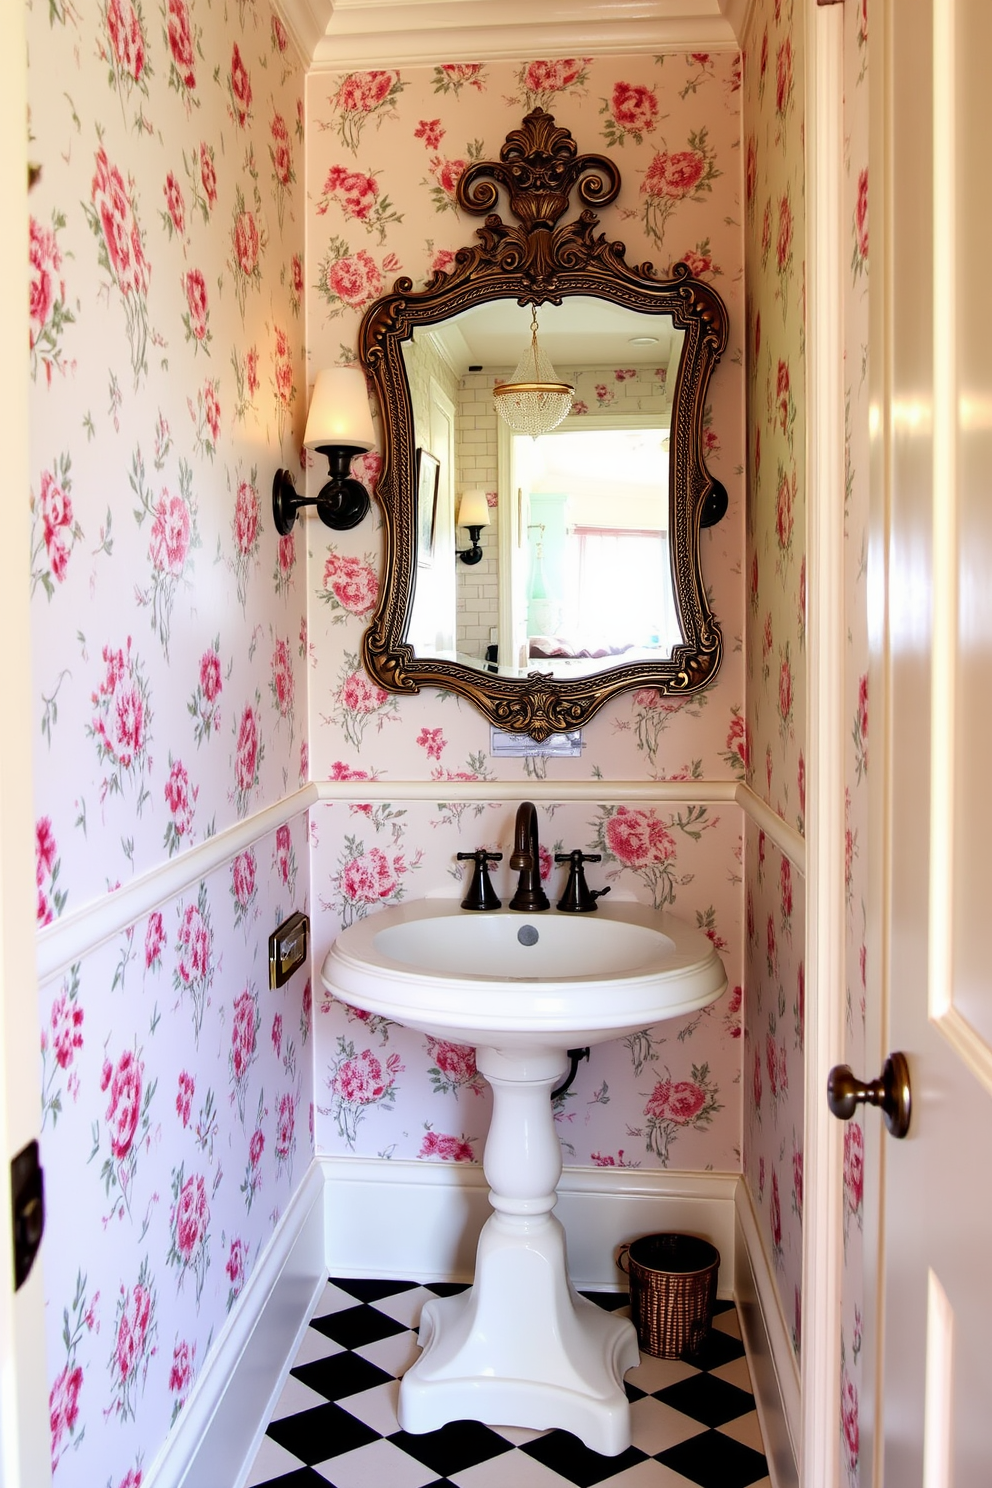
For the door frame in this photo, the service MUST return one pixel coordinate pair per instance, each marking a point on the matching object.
(819, 1451)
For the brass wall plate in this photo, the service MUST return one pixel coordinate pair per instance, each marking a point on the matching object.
(288, 947)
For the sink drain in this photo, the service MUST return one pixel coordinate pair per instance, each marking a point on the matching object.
(528, 935)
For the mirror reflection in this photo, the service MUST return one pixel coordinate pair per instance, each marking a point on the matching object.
(466, 607)
(575, 568)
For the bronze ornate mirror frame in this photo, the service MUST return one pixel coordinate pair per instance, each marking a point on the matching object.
(535, 263)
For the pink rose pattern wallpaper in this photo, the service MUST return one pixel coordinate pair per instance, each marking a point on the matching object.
(166, 357)
(385, 151)
(775, 656)
(166, 339)
(668, 1096)
(198, 269)
(177, 1093)
(774, 216)
(775, 978)
(857, 702)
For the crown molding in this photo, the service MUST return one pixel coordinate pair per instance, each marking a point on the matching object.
(345, 35)
(306, 21)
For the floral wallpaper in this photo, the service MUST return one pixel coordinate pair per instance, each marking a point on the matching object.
(857, 702)
(166, 361)
(170, 215)
(774, 215)
(775, 633)
(385, 151)
(190, 668)
(775, 978)
(166, 355)
(668, 1096)
(177, 1120)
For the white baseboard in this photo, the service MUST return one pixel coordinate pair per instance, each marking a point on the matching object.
(216, 1437)
(421, 1220)
(771, 1357)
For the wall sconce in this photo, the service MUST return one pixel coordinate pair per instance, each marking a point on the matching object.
(473, 513)
(339, 425)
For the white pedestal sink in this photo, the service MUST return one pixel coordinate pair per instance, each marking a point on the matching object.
(521, 1347)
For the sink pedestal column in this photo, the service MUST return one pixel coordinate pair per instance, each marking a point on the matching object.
(521, 1347)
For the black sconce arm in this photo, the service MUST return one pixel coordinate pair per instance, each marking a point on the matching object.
(474, 553)
(341, 503)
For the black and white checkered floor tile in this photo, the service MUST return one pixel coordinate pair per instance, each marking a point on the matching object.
(694, 1425)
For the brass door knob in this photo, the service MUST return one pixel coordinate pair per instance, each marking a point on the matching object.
(890, 1092)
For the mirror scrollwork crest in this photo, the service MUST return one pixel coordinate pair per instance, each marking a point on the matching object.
(542, 261)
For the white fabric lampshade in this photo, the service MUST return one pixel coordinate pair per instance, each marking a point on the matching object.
(339, 410)
(473, 509)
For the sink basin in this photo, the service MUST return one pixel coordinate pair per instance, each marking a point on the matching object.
(521, 1347)
(507, 978)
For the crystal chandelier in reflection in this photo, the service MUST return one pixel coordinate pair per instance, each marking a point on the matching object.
(534, 401)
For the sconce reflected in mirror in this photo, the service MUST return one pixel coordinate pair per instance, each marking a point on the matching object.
(339, 425)
(473, 513)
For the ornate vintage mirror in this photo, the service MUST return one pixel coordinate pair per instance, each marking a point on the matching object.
(601, 496)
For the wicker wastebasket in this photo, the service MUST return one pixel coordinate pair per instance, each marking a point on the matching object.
(672, 1292)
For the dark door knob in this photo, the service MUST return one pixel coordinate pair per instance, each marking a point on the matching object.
(890, 1092)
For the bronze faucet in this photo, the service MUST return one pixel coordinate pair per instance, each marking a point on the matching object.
(526, 860)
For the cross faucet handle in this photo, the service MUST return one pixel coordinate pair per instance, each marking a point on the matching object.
(578, 898)
(481, 894)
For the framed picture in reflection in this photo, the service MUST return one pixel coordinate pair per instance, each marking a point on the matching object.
(428, 473)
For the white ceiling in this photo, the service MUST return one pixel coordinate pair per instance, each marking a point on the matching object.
(345, 35)
(580, 333)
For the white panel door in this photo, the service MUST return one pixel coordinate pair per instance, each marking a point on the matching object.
(932, 209)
